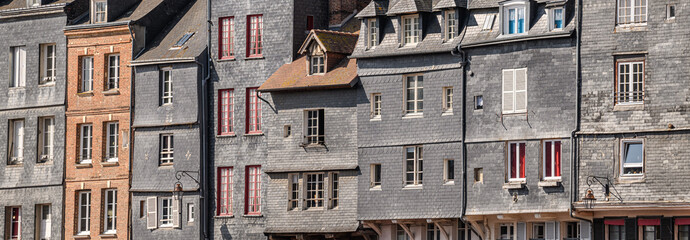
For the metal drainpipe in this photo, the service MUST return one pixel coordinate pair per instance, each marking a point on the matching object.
(203, 125)
(573, 136)
(131, 129)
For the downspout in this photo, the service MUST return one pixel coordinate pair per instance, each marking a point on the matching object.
(131, 129)
(204, 132)
(573, 135)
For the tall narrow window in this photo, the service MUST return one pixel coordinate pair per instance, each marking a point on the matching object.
(293, 201)
(253, 190)
(414, 165)
(514, 22)
(448, 99)
(225, 184)
(414, 94)
(314, 132)
(166, 212)
(86, 74)
(451, 24)
(373, 33)
(314, 198)
(253, 111)
(110, 211)
(632, 11)
(552, 160)
(683, 232)
(514, 91)
(449, 170)
(310, 23)
(84, 220)
(112, 141)
(18, 67)
(226, 111)
(412, 30)
(506, 231)
(113, 72)
(255, 30)
(227, 38)
(572, 231)
(463, 230)
(43, 222)
(335, 190)
(516, 161)
(86, 131)
(616, 231)
(432, 232)
(317, 65)
(630, 86)
(651, 232)
(47, 63)
(538, 230)
(166, 86)
(632, 158)
(100, 11)
(46, 134)
(376, 106)
(166, 155)
(557, 18)
(190, 212)
(16, 143)
(375, 176)
(14, 224)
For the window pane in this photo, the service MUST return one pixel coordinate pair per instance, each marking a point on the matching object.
(633, 153)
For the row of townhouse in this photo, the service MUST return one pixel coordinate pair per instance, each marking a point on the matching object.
(184, 119)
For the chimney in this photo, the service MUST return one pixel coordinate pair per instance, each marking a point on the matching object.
(339, 10)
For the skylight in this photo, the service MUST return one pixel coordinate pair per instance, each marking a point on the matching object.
(183, 40)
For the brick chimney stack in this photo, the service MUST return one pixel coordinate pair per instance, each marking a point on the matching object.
(340, 9)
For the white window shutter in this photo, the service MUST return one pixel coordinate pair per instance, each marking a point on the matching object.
(585, 230)
(176, 211)
(550, 231)
(521, 90)
(22, 71)
(521, 231)
(558, 230)
(151, 213)
(508, 91)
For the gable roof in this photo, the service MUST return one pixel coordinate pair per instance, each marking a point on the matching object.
(449, 4)
(476, 4)
(375, 8)
(20, 4)
(331, 41)
(410, 6)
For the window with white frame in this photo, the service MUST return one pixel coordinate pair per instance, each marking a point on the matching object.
(670, 11)
(451, 17)
(557, 18)
(110, 211)
(86, 74)
(630, 82)
(314, 190)
(375, 176)
(113, 71)
(225, 183)
(448, 99)
(18, 66)
(632, 158)
(190, 212)
(414, 165)
(85, 145)
(84, 220)
(538, 231)
(448, 170)
(112, 141)
(43, 221)
(16, 143)
(46, 134)
(14, 223)
(516, 161)
(166, 86)
(33, 3)
(632, 11)
(373, 33)
(253, 111)
(99, 12)
(166, 212)
(376, 106)
(412, 29)
(572, 230)
(253, 191)
(166, 155)
(514, 91)
(651, 231)
(514, 19)
(48, 61)
(293, 200)
(616, 232)
(315, 129)
(414, 94)
(432, 232)
(316, 64)
(552, 159)
(506, 231)
(335, 190)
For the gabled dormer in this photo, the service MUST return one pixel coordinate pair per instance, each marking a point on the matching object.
(410, 15)
(324, 49)
(372, 17)
(515, 17)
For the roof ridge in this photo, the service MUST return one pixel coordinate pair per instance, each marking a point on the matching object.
(335, 32)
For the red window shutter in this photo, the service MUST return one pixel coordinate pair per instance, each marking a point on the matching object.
(522, 160)
(246, 190)
(513, 160)
(218, 192)
(615, 222)
(557, 158)
(310, 23)
(547, 159)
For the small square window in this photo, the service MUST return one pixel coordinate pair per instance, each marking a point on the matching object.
(478, 175)
(670, 11)
(287, 130)
(478, 102)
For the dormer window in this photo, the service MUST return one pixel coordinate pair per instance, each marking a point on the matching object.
(451, 30)
(317, 65)
(372, 33)
(99, 12)
(556, 18)
(411, 30)
(514, 19)
(33, 3)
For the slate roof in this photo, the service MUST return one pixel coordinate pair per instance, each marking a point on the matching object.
(137, 12)
(410, 6)
(375, 8)
(19, 4)
(191, 20)
(338, 42)
(449, 4)
(476, 4)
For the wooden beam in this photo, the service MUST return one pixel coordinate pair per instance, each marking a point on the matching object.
(407, 230)
(376, 228)
(443, 230)
(477, 228)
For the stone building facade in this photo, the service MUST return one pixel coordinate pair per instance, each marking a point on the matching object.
(32, 116)
(167, 140)
(409, 130)
(97, 155)
(634, 121)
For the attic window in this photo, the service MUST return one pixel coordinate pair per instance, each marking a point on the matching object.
(99, 9)
(183, 40)
(317, 65)
(514, 19)
(489, 22)
(33, 3)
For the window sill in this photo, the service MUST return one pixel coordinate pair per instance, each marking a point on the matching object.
(377, 188)
(47, 84)
(628, 107)
(228, 135)
(313, 145)
(514, 185)
(46, 162)
(16, 88)
(631, 27)
(518, 114)
(84, 165)
(228, 59)
(375, 119)
(412, 187)
(253, 216)
(16, 165)
(504, 35)
(253, 134)
(166, 164)
(114, 91)
(108, 235)
(82, 236)
(449, 113)
(110, 164)
(449, 183)
(254, 58)
(409, 45)
(413, 115)
(85, 94)
(630, 179)
(549, 183)
(224, 216)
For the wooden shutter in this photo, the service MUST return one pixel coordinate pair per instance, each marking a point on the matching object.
(666, 228)
(631, 228)
(322, 127)
(151, 213)
(521, 231)
(521, 90)
(176, 211)
(550, 231)
(508, 91)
